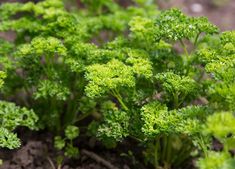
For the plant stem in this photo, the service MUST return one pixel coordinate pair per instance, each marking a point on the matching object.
(176, 100)
(156, 153)
(119, 98)
(196, 39)
(83, 116)
(182, 99)
(185, 48)
(186, 59)
(203, 146)
(72, 105)
(164, 148)
(169, 151)
(185, 154)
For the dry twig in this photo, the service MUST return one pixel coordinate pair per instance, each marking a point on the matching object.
(99, 159)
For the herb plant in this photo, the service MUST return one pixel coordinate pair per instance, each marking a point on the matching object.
(219, 61)
(163, 78)
(156, 89)
(13, 116)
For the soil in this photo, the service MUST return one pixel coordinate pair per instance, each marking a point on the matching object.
(37, 150)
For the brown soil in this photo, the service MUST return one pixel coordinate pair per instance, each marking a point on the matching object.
(37, 152)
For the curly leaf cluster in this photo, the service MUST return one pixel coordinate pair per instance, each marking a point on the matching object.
(48, 89)
(173, 25)
(174, 83)
(115, 126)
(106, 77)
(8, 139)
(158, 119)
(220, 63)
(11, 117)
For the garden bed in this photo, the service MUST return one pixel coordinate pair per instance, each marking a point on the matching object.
(109, 87)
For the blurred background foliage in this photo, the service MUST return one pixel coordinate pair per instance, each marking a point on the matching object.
(220, 12)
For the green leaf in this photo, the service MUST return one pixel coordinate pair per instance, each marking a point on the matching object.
(48, 89)
(141, 63)
(221, 124)
(59, 143)
(215, 160)
(13, 116)
(2, 77)
(71, 132)
(230, 142)
(229, 164)
(71, 151)
(8, 139)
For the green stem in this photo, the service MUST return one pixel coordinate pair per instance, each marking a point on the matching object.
(164, 149)
(29, 93)
(156, 164)
(119, 98)
(182, 99)
(185, 154)
(169, 151)
(49, 65)
(186, 59)
(52, 107)
(203, 146)
(185, 48)
(83, 116)
(135, 138)
(196, 39)
(176, 100)
(72, 102)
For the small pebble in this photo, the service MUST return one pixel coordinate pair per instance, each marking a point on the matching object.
(196, 8)
(126, 167)
(65, 167)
